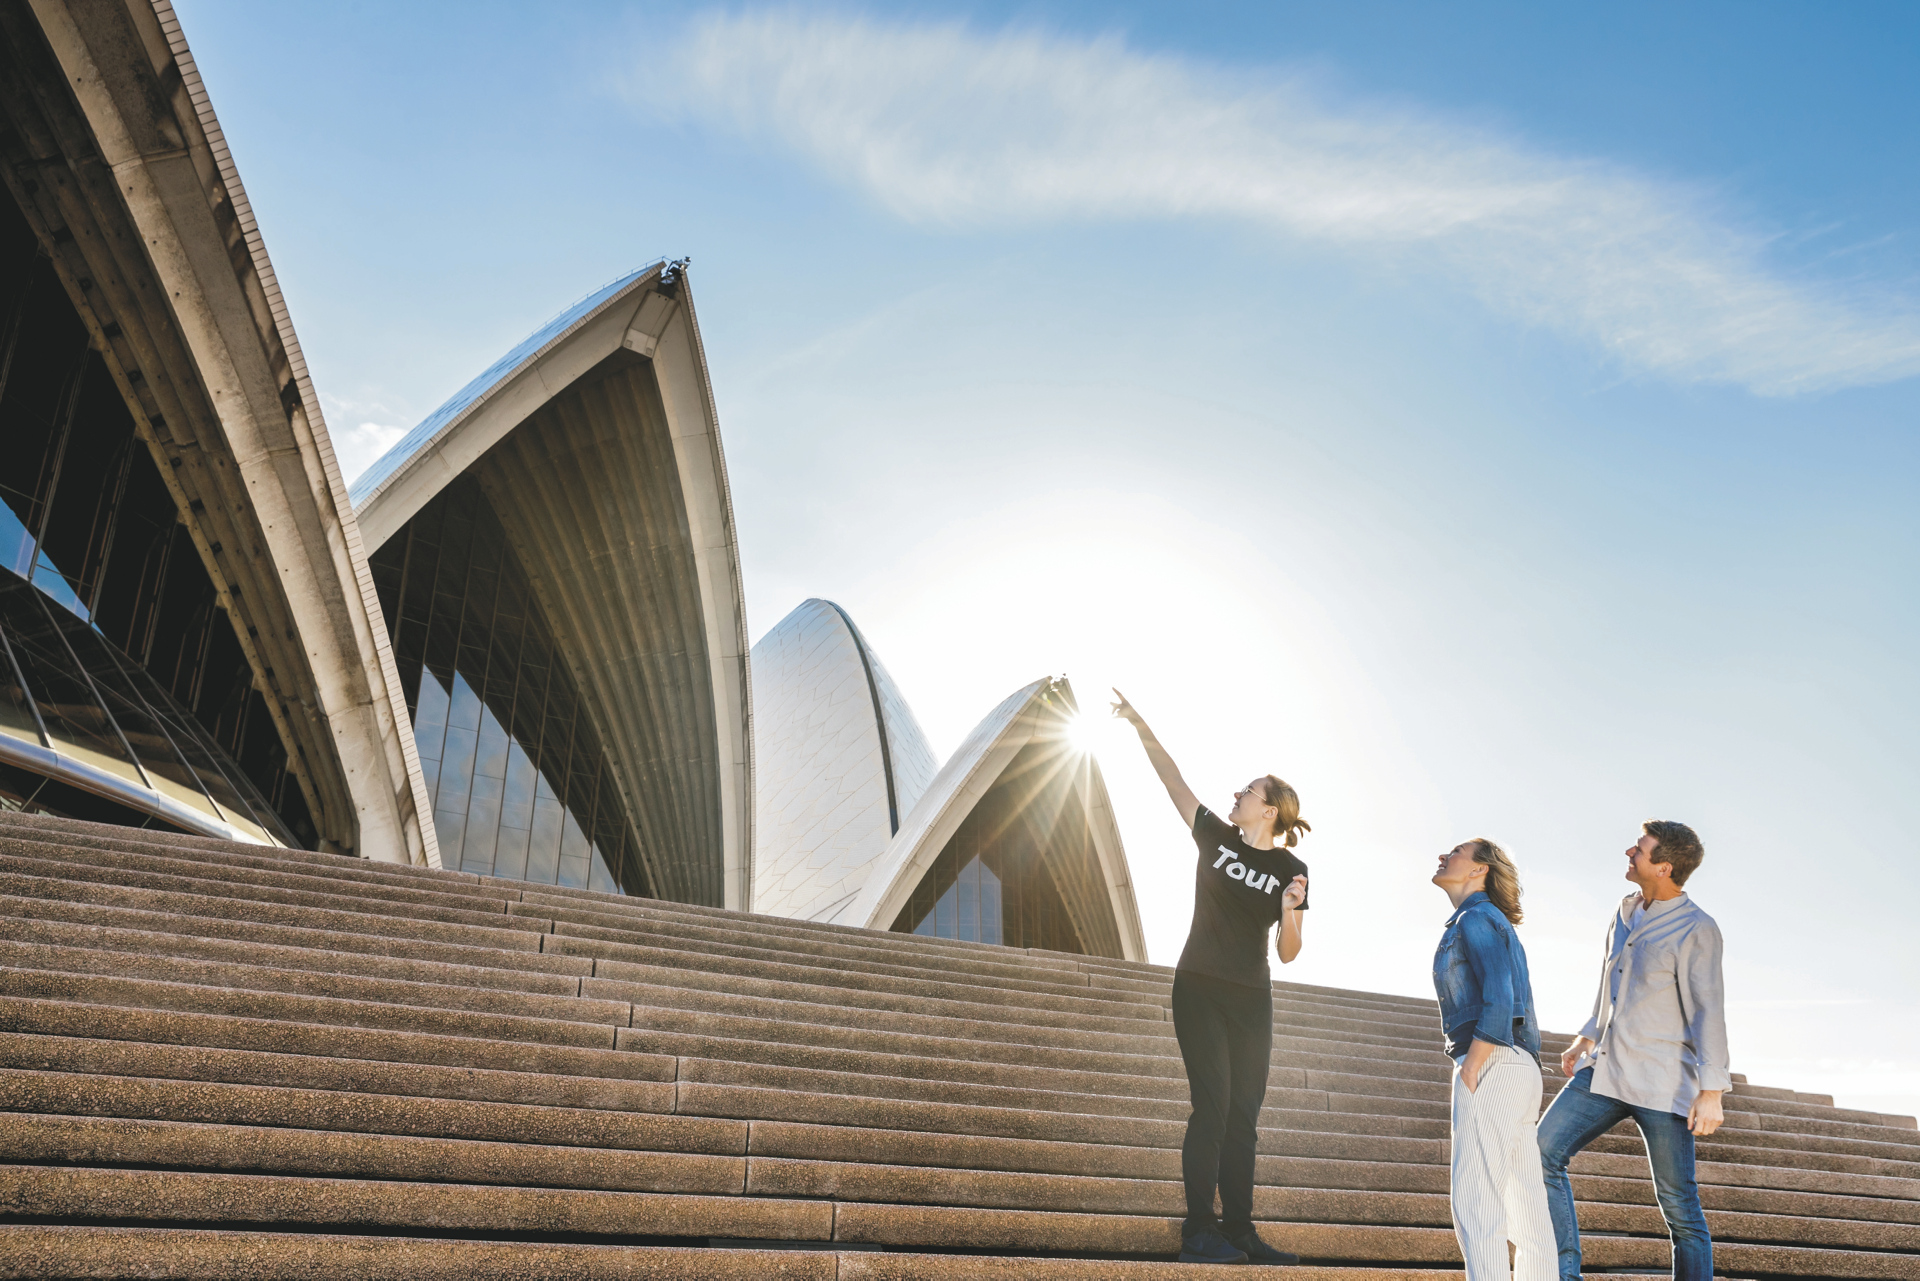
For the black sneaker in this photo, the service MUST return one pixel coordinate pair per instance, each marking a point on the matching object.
(1259, 1251)
(1208, 1246)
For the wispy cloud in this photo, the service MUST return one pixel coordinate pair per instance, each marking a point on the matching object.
(359, 439)
(945, 124)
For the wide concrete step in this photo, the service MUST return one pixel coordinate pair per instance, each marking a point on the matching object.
(229, 979)
(157, 945)
(386, 947)
(415, 906)
(151, 994)
(227, 1256)
(102, 902)
(405, 884)
(1094, 968)
(29, 1091)
(172, 1197)
(151, 945)
(129, 859)
(815, 1158)
(199, 1039)
(472, 888)
(1067, 967)
(310, 1071)
(784, 1200)
(57, 1015)
(185, 877)
(505, 933)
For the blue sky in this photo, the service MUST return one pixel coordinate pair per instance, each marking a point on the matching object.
(1497, 420)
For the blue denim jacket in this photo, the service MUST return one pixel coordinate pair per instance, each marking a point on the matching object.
(1480, 975)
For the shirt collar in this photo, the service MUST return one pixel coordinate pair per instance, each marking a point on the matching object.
(1636, 900)
(1478, 896)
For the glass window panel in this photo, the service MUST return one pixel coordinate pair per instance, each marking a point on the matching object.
(151, 741)
(16, 714)
(215, 770)
(470, 656)
(543, 850)
(76, 721)
(430, 775)
(450, 826)
(483, 826)
(490, 760)
(16, 544)
(516, 804)
(512, 717)
(599, 878)
(989, 905)
(943, 923)
(48, 578)
(573, 841)
(464, 713)
(456, 769)
(967, 903)
(510, 855)
(430, 721)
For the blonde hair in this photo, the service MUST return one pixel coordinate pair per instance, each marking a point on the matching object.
(1503, 878)
(1280, 794)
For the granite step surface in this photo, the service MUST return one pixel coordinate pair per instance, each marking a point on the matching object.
(220, 1059)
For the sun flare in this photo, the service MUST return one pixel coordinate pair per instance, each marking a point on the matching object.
(1086, 733)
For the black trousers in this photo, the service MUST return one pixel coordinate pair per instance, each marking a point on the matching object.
(1225, 1032)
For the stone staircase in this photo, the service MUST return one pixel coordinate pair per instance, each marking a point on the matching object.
(226, 1061)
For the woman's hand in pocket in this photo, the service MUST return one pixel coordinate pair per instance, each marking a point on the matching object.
(1475, 1064)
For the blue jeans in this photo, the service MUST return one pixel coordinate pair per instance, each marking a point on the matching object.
(1578, 1117)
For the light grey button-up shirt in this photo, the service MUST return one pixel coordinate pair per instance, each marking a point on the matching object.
(1659, 1019)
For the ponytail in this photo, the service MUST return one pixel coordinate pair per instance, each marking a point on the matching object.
(1503, 878)
(1279, 794)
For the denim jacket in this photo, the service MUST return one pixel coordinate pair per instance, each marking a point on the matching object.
(1480, 975)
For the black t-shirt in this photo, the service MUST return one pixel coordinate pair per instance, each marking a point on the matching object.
(1236, 900)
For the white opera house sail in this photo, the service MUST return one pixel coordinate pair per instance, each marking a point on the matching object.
(555, 557)
(1012, 841)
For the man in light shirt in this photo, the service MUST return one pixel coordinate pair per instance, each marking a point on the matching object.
(1654, 1050)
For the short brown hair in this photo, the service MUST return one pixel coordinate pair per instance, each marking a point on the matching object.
(1678, 845)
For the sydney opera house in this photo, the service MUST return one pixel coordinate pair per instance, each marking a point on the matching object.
(418, 875)
(516, 646)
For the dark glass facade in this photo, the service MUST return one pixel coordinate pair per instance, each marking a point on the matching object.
(994, 881)
(85, 732)
(969, 908)
(519, 781)
(137, 674)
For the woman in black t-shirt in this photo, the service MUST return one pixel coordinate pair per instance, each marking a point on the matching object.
(1245, 881)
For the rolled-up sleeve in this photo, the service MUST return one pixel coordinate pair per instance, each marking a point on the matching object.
(1493, 966)
(1703, 1003)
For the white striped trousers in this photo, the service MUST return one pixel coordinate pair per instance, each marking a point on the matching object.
(1498, 1194)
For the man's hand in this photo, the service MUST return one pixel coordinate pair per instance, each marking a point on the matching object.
(1705, 1116)
(1475, 1063)
(1295, 894)
(1571, 1055)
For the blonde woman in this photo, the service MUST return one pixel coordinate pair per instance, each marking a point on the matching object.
(1486, 1009)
